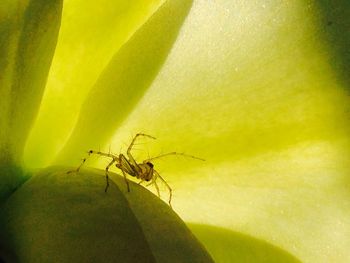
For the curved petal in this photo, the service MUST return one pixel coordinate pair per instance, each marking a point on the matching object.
(90, 34)
(28, 35)
(125, 80)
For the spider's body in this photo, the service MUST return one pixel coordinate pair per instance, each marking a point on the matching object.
(144, 171)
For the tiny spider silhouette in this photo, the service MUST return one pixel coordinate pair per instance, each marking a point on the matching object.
(144, 171)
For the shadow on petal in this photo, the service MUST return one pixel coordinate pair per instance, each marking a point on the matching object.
(228, 246)
(125, 80)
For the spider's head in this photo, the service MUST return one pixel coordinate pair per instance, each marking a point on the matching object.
(149, 171)
(150, 164)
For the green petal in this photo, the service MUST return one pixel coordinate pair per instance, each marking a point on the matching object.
(60, 217)
(28, 35)
(125, 80)
(90, 35)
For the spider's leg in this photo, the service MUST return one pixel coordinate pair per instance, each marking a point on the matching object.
(126, 181)
(87, 157)
(82, 163)
(166, 184)
(125, 167)
(107, 178)
(157, 188)
(139, 183)
(134, 139)
(154, 181)
(104, 154)
(131, 158)
(173, 153)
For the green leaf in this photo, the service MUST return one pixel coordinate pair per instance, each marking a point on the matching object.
(60, 217)
(227, 246)
(125, 80)
(28, 35)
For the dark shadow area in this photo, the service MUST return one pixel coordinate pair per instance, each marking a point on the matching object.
(7, 257)
(228, 246)
(12, 177)
(335, 28)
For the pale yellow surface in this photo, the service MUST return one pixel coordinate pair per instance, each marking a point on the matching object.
(248, 86)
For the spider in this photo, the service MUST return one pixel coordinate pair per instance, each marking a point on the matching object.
(144, 171)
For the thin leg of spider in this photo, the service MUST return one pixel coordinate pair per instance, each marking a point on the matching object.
(133, 140)
(104, 154)
(173, 153)
(157, 188)
(154, 181)
(107, 178)
(166, 184)
(84, 160)
(126, 180)
(131, 158)
(89, 154)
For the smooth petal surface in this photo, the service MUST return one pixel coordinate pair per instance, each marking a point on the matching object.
(125, 80)
(228, 247)
(91, 33)
(70, 218)
(28, 35)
